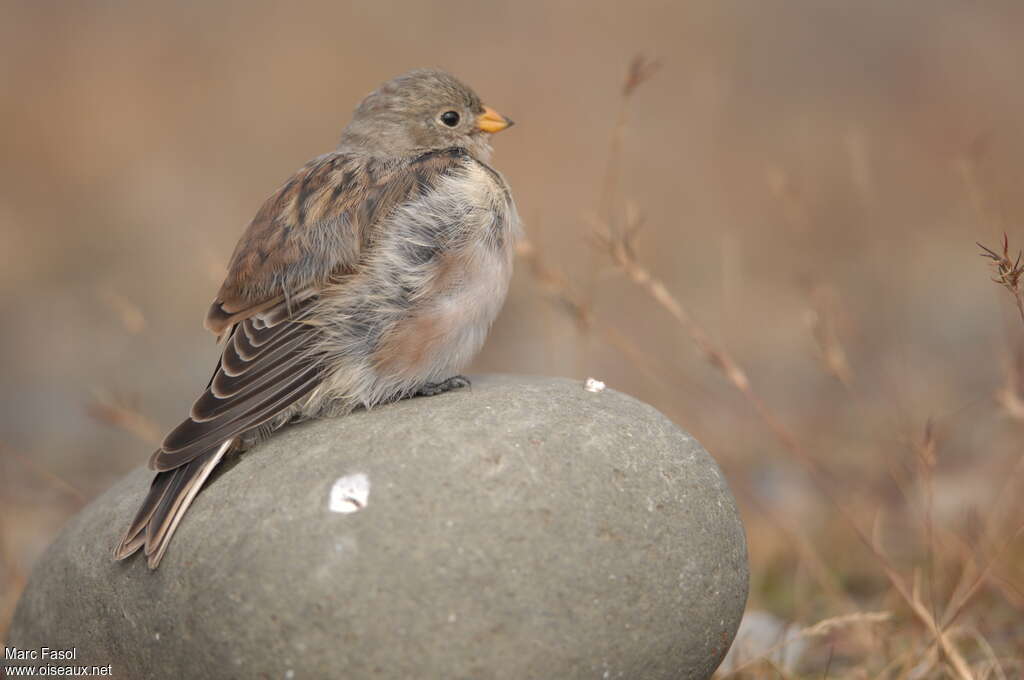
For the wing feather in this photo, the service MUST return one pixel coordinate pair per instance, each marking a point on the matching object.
(315, 228)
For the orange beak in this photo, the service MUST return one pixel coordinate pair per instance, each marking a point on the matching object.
(492, 121)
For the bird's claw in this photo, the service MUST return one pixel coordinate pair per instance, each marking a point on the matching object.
(453, 383)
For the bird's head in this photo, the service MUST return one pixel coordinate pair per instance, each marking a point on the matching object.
(422, 110)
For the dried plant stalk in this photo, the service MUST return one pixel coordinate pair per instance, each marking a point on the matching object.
(123, 414)
(819, 629)
(1008, 271)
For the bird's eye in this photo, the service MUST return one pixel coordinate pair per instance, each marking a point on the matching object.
(450, 118)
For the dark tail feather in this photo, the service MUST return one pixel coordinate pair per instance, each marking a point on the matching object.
(169, 497)
(135, 536)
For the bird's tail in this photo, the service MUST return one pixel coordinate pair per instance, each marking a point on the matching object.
(169, 497)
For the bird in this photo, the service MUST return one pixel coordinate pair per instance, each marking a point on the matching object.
(371, 275)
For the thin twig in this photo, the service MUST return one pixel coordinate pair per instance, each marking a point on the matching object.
(957, 607)
(123, 414)
(1008, 271)
(819, 629)
(641, 69)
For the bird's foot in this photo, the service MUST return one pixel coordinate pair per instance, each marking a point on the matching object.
(453, 383)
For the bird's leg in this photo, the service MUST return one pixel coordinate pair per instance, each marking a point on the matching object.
(453, 383)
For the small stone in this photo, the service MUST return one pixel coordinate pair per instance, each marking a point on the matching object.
(521, 529)
(593, 385)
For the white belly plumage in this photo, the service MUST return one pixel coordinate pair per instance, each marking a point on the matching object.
(419, 308)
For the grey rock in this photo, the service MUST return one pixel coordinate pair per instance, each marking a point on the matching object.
(521, 528)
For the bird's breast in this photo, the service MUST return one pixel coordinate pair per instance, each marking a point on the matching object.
(454, 249)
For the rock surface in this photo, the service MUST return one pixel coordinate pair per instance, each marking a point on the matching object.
(522, 528)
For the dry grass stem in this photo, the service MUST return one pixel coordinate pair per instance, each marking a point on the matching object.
(620, 249)
(820, 629)
(911, 597)
(1008, 271)
(957, 607)
(556, 288)
(554, 285)
(641, 69)
(822, 319)
(127, 312)
(123, 414)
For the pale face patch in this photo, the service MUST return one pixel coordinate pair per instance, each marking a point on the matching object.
(349, 494)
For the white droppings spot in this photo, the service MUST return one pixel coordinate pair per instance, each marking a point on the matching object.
(350, 493)
(452, 617)
(593, 385)
(157, 637)
(289, 674)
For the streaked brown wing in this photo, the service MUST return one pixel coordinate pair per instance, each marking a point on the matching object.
(301, 234)
(314, 228)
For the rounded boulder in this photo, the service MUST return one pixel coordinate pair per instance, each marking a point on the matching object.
(520, 528)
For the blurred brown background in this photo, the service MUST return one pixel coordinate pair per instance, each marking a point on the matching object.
(812, 177)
